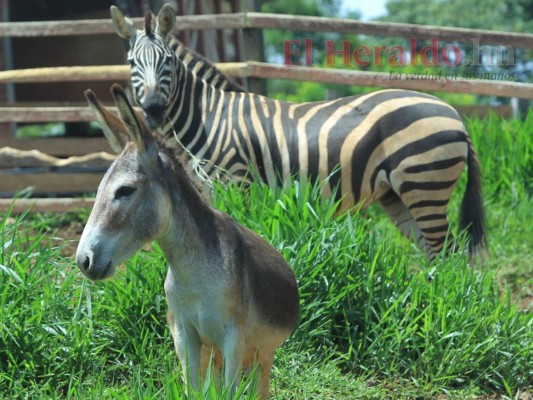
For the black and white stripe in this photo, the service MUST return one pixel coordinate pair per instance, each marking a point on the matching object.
(403, 149)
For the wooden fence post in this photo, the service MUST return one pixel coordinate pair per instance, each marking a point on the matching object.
(6, 91)
(253, 46)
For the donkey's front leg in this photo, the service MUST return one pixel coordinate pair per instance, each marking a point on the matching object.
(233, 352)
(186, 339)
(188, 348)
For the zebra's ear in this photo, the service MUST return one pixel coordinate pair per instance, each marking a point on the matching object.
(137, 129)
(114, 129)
(166, 19)
(123, 25)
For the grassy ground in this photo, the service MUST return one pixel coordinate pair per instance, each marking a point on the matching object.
(372, 325)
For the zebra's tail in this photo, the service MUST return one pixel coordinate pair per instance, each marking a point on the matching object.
(472, 215)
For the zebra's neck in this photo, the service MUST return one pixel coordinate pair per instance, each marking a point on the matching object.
(204, 68)
(185, 111)
(197, 117)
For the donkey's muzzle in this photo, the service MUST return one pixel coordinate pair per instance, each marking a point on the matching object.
(86, 263)
(154, 109)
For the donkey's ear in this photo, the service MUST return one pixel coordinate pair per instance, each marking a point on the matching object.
(114, 129)
(137, 128)
(166, 19)
(123, 25)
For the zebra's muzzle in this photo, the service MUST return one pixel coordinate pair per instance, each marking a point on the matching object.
(154, 109)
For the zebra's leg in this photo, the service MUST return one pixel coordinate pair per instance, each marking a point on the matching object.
(402, 217)
(431, 218)
(423, 222)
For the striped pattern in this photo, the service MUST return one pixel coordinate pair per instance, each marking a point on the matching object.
(202, 67)
(152, 73)
(403, 149)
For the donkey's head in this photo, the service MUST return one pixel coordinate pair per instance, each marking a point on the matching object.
(153, 62)
(133, 205)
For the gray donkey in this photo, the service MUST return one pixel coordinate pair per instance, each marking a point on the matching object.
(229, 292)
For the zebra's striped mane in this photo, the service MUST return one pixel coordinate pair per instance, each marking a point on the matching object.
(203, 67)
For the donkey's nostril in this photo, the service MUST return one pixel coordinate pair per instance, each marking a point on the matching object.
(86, 263)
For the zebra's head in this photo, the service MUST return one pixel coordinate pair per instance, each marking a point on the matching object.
(153, 63)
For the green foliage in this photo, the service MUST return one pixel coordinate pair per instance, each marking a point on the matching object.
(40, 130)
(373, 325)
(501, 15)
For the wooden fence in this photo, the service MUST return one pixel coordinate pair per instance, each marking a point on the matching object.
(59, 165)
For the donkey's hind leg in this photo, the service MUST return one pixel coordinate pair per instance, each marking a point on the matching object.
(266, 363)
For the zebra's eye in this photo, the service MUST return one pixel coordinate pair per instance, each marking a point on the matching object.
(124, 192)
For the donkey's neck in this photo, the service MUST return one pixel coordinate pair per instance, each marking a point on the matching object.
(192, 233)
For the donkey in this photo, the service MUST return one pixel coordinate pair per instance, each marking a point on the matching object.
(229, 292)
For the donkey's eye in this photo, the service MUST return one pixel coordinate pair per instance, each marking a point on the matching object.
(123, 192)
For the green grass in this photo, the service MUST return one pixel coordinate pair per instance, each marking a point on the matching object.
(372, 325)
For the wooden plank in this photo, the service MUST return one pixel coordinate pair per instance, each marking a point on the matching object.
(56, 28)
(60, 146)
(67, 74)
(383, 79)
(277, 21)
(59, 205)
(10, 158)
(105, 26)
(274, 71)
(49, 182)
(45, 114)
(90, 73)
(386, 29)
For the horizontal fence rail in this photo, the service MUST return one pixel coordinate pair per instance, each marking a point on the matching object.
(255, 20)
(250, 69)
(61, 146)
(10, 157)
(93, 73)
(383, 79)
(17, 206)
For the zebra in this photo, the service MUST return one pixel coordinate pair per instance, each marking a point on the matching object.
(193, 61)
(405, 150)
